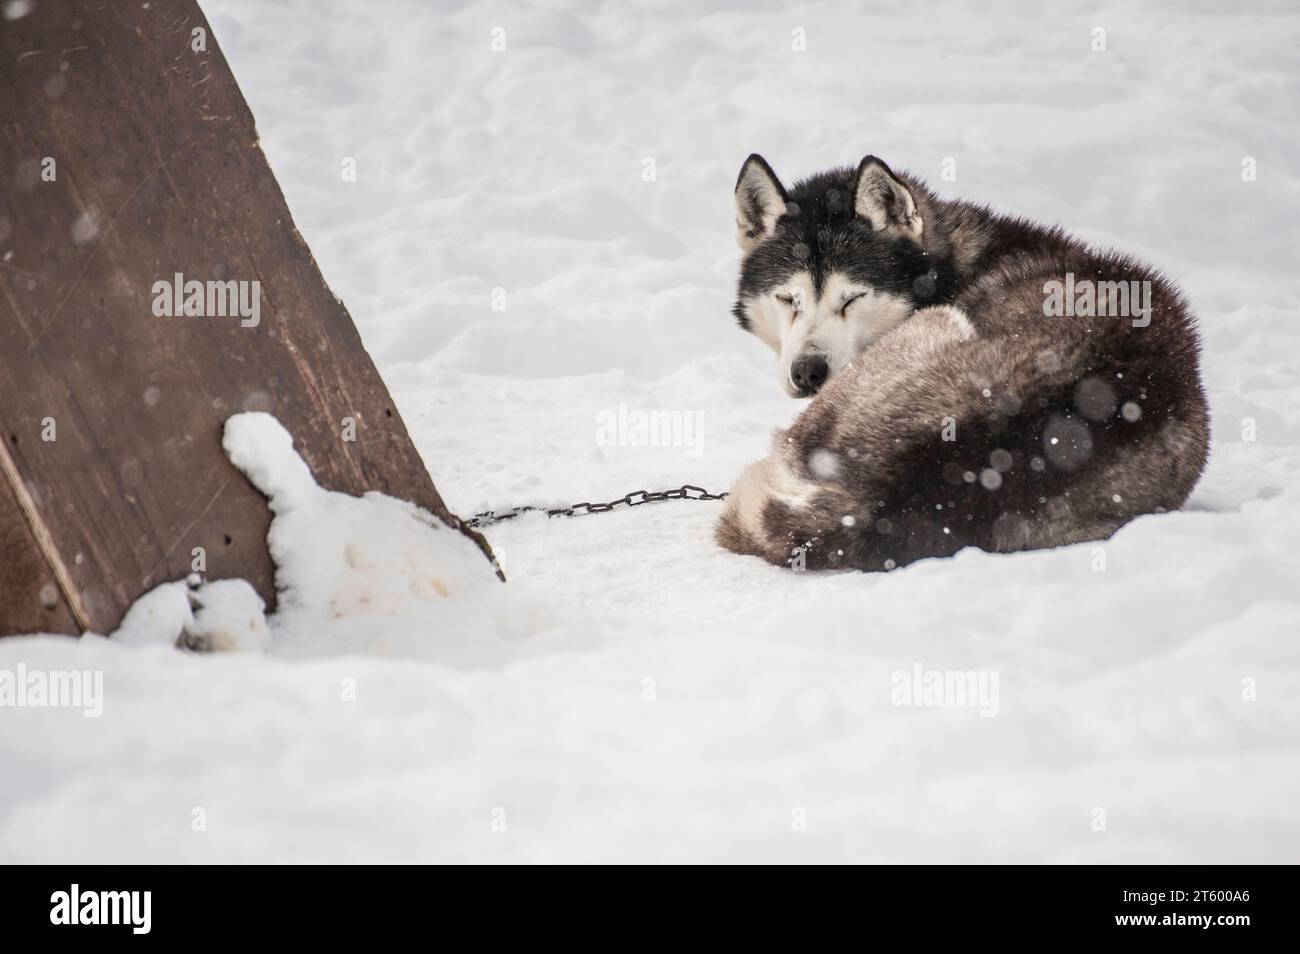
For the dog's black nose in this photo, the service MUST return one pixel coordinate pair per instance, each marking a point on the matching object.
(808, 373)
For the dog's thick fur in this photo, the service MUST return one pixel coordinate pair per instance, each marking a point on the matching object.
(956, 412)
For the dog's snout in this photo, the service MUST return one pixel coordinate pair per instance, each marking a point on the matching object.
(808, 373)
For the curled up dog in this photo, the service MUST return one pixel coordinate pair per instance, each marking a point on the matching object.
(975, 379)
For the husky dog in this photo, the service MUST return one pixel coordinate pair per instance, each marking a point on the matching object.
(976, 379)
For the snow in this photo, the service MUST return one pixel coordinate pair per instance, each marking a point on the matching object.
(636, 693)
(371, 574)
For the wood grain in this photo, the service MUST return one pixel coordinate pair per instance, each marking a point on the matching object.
(157, 171)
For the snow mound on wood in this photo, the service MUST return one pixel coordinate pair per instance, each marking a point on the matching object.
(221, 616)
(368, 574)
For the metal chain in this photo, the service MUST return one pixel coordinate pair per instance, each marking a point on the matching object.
(635, 499)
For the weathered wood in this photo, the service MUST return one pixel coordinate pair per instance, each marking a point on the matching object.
(126, 157)
(33, 601)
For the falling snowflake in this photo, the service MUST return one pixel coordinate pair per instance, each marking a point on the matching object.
(85, 228)
(824, 464)
(17, 9)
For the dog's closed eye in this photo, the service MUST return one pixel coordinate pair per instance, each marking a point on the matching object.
(844, 308)
(793, 301)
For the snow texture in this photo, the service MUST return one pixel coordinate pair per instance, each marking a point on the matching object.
(217, 616)
(369, 574)
(636, 693)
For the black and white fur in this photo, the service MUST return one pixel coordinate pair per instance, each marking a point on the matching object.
(949, 411)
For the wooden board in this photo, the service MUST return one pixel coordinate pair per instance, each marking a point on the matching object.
(127, 157)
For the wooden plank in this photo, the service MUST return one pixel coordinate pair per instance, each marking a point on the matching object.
(127, 157)
(32, 599)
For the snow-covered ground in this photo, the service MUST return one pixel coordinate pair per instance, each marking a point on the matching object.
(522, 281)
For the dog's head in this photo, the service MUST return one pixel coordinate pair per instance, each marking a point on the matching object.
(831, 264)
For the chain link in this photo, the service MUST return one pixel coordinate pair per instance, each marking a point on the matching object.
(635, 499)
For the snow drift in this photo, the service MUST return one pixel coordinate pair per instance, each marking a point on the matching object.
(369, 574)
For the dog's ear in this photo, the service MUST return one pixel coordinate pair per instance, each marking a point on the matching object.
(760, 201)
(882, 199)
